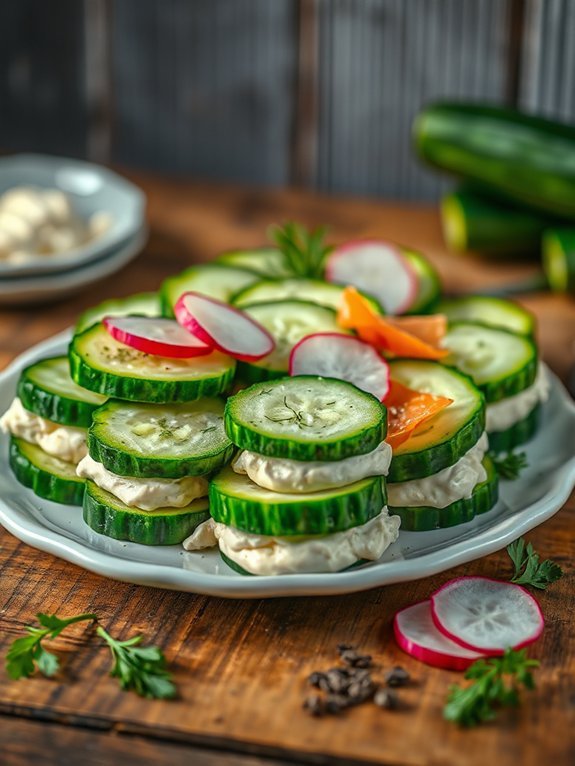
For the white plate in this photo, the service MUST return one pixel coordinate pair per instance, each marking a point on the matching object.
(92, 189)
(47, 287)
(537, 495)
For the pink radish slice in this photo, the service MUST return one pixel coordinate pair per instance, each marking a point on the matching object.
(223, 327)
(486, 615)
(333, 355)
(152, 335)
(379, 269)
(416, 634)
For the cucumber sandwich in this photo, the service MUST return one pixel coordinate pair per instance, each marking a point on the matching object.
(307, 491)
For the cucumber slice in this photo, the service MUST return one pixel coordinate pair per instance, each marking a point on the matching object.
(236, 501)
(46, 389)
(305, 418)
(160, 441)
(45, 475)
(425, 518)
(312, 290)
(100, 363)
(429, 285)
(495, 312)
(288, 322)
(559, 259)
(517, 434)
(144, 304)
(266, 261)
(235, 567)
(445, 438)
(501, 363)
(213, 279)
(108, 516)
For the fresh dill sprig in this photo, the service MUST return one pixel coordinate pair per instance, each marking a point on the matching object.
(528, 569)
(305, 251)
(510, 466)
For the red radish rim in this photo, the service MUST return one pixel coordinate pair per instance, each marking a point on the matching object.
(191, 324)
(431, 657)
(409, 270)
(144, 345)
(492, 652)
(347, 339)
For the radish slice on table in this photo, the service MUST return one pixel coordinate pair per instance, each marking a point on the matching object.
(416, 634)
(332, 355)
(486, 615)
(223, 327)
(379, 269)
(159, 337)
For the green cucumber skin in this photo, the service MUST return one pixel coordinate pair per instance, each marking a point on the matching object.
(516, 156)
(457, 308)
(140, 390)
(560, 243)
(139, 527)
(250, 373)
(42, 483)
(427, 518)
(304, 516)
(517, 434)
(489, 227)
(58, 409)
(429, 292)
(124, 464)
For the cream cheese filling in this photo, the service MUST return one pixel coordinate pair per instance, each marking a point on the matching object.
(439, 490)
(264, 555)
(285, 475)
(506, 412)
(145, 494)
(65, 442)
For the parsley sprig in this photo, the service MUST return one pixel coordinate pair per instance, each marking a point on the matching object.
(510, 466)
(138, 668)
(529, 570)
(305, 251)
(497, 682)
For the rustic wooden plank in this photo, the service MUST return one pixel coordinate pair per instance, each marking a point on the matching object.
(205, 88)
(23, 742)
(42, 99)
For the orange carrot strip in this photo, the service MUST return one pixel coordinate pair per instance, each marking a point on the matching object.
(408, 409)
(430, 329)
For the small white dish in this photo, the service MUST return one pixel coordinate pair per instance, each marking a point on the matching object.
(539, 493)
(48, 287)
(92, 189)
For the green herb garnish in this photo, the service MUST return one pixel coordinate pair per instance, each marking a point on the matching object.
(510, 466)
(304, 251)
(528, 569)
(496, 683)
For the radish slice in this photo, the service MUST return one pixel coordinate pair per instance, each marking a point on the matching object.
(333, 355)
(379, 269)
(223, 327)
(486, 615)
(416, 634)
(152, 335)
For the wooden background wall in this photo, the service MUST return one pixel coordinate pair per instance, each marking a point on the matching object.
(320, 93)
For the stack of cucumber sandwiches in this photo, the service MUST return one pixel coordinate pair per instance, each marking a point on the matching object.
(297, 406)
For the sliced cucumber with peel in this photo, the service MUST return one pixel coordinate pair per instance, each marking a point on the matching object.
(167, 441)
(425, 518)
(265, 261)
(305, 418)
(445, 438)
(144, 304)
(236, 501)
(559, 259)
(501, 363)
(312, 290)
(495, 312)
(288, 322)
(517, 434)
(102, 364)
(108, 516)
(46, 389)
(45, 475)
(213, 279)
(429, 285)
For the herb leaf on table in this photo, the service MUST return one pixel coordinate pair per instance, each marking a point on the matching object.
(528, 568)
(510, 466)
(496, 683)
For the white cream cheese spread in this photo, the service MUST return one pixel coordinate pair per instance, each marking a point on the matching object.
(506, 412)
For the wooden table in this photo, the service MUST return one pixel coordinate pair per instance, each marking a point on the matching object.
(241, 666)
